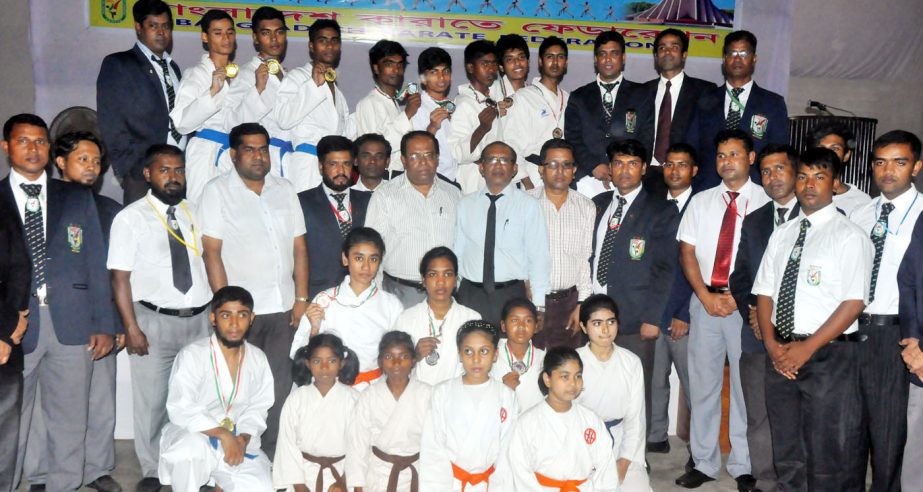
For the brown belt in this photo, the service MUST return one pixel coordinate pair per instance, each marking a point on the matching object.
(398, 464)
(325, 462)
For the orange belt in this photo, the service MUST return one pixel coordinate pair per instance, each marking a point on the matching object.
(367, 376)
(466, 477)
(562, 485)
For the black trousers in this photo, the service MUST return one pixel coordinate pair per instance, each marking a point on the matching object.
(645, 350)
(489, 304)
(10, 405)
(814, 420)
(273, 334)
(884, 391)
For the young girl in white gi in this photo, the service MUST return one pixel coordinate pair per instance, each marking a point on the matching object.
(470, 418)
(434, 322)
(384, 434)
(615, 389)
(356, 310)
(520, 362)
(312, 428)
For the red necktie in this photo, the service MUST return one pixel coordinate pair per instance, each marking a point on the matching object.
(722, 268)
(664, 122)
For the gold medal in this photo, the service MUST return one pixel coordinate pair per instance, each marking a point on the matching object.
(557, 133)
(330, 75)
(274, 66)
(227, 424)
(231, 70)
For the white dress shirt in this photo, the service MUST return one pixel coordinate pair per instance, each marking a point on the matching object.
(676, 84)
(901, 221)
(174, 82)
(258, 234)
(535, 114)
(682, 199)
(139, 244)
(360, 186)
(603, 226)
(743, 97)
(570, 236)
(420, 121)
(701, 224)
(853, 199)
(836, 266)
(379, 113)
(615, 90)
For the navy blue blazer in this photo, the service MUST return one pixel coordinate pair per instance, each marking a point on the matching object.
(323, 236)
(76, 279)
(762, 106)
(15, 282)
(107, 209)
(585, 122)
(131, 109)
(910, 290)
(754, 236)
(638, 277)
(681, 291)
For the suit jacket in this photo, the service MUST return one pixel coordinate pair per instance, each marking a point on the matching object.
(754, 236)
(323, 235)
(131, 109)
(585, 122)
(709, 120)
(107, 209)
(76, 279)
(910, 290)
(639, 285)
(15, 281)
(684, 110)
(681, 292)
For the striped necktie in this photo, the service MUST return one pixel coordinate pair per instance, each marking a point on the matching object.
(34, 225)
(785, 310)
(171, 93)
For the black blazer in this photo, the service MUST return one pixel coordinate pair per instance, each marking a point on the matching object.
(639, 286)
(76, 279)
(131, 108)
(754, 236)
(107, 209)
(709, 120)
(910, 290)
(15, 282)
(323, 236)
(681, 292)
(585, 122)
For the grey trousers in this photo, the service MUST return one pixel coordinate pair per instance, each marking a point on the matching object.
(409, 296)
(759, 437)
(667, 353)
(912, 472)
(713, 340)
(150, 377)
(64, 372)
(10, 404)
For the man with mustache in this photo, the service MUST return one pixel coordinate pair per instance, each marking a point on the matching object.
(161, 291)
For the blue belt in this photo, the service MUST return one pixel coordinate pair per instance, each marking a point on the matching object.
(307, 149)
(220, 138)
(214, 442)
(284, 147)
(612, 423)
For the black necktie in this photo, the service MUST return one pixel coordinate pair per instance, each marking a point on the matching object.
(490, 236)
(171, 94)
(344, 219)
(179, 259)
(605, 255)
(733, 118)
(878, 235)
(34, 226)
(785, 311)
(781, 219)
(664, 122)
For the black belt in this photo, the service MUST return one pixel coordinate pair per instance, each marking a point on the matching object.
(497, 285)
(717, 290)
(845, 337)
(881, 320)
(180, 313)
(408, 283)
(560, 294)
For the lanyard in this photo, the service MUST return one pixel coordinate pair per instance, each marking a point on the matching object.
(194, 246)
(337, 212)
(901, 223)
(227, 403)
(734, 99)
(530, 353)
(392, 98)
(487, 100)
(432, 324)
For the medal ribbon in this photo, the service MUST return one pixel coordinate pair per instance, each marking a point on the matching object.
(226, 403)
(530, 352)
(195, 245)
(336, 295)
(487, 100)
(340, 217)
(393, 98)
(432, 324)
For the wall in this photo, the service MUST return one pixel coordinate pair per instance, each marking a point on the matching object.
(16, 60)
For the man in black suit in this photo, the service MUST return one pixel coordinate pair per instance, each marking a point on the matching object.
(71, 310)
(602, 111)
(331, 210)
(673, 97)
(738, 103)
(634, 254)
(777, 171)
(134, 96)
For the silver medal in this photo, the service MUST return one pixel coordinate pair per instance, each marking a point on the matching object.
(520, 367)
(411, 89)
(450, 107)
(433, 358)
(607, 98)
(32, 204)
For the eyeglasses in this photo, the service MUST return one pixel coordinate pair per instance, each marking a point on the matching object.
(737, 54)
(495, 160)
(563, 165)
(423, 156)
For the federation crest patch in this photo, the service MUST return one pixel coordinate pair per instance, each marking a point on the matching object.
(631, 121)
(75, 237)
(502, 415)
(113, 11)
(589, 435)
(879, 229)
(813, 275)
(636, 248)
(758, 126)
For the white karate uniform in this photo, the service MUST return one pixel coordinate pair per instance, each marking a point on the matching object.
(614, 389)
(316, 425)
(851, 200)
(378, 113)
(187, 458)
(527, 393)
(359, 320)
(392, 426)
(573, 445)
(419, 322)
(310, 112)
(420, 121)
(535, 113)
(468, 425)
(195, 109)
(468, 105)
(251, 105)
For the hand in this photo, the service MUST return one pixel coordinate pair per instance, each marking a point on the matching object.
(601, 172)
(218, 78)
(297, 312)
(234, 447)
(5, 351)
(777, 352)
(649, 331)
(511, 379)
(262, 77)
(119, 342)
(504, 106)
(100, 345)
(912, 355)
(573, 321)
(315, 315)
(337, 487)
(318, 74)
(527, 183)
(425, 346)
(21, 327)
(717, 304)
(486, 117)
(412, 102)
(755, 323)
(436, 118)
(135, 341)
(795, 357)
(678, 329)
